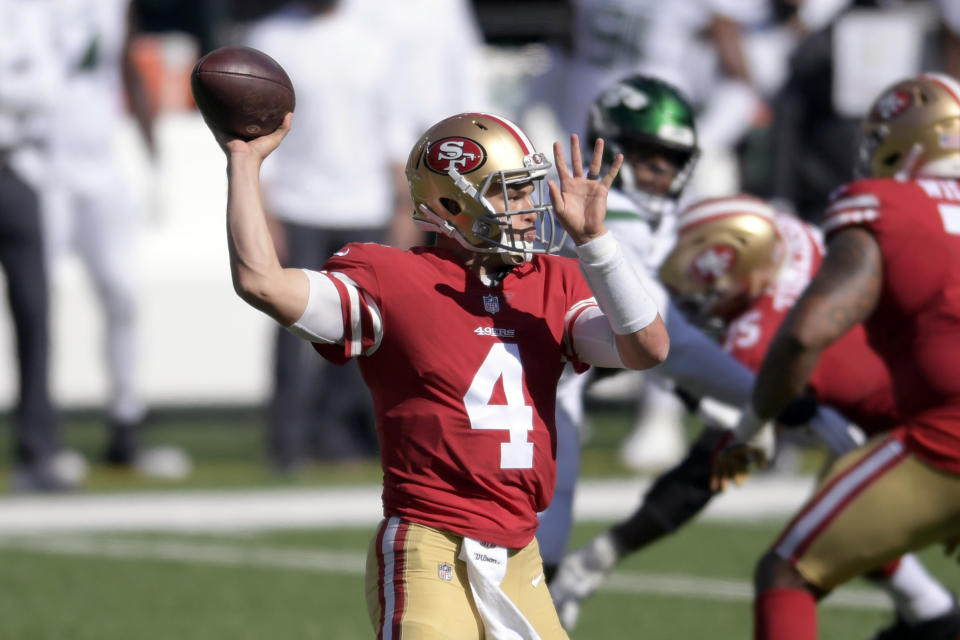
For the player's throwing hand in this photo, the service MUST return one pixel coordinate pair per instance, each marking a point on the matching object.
(258, 148)
(580, 201)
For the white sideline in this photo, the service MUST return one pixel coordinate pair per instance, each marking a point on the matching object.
(352, 563)
(762, 498)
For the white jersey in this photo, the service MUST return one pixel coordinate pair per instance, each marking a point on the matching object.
(608, 37)
(350, 125)
(30, 79)
(442, 55)
(91, 35)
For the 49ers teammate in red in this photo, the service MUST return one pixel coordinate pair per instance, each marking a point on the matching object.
(738, 267)
(893, 262)
(741, 262)
(461, 345)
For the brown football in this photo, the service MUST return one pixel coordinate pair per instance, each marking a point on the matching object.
(242, 91)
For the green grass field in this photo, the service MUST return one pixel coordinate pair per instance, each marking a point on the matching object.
(309, 583)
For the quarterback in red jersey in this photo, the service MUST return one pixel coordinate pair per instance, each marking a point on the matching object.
(893, 263)
(461, 345)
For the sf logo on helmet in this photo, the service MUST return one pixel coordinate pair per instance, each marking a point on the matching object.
(891, 104)
(713, 263)
(460, 154)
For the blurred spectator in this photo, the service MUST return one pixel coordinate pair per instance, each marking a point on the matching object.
(853, 50)
(29, 82)
(338, 179)
(92, 211)
(440, 46)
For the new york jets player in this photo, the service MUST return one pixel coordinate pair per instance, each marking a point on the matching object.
(652, 125)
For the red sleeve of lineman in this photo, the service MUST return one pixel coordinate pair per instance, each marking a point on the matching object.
(354, 265)
(857, 204)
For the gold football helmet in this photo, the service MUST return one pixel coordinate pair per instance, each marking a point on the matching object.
(456, 164)
(726, 252)
(913, 129)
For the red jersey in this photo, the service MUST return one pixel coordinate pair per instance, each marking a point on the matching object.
(916, 325)
(849, 376)
(464, 380)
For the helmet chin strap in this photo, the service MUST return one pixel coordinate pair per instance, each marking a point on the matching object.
(435, 222)
(906, 171)
(515, 257)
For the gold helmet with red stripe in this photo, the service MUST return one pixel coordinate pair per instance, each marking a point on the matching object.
(913, 129)
(727, 250)
(462, 159)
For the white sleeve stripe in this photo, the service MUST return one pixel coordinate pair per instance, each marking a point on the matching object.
(353, 335)
(861, 201)
(377, 321)
(583, 303)
(849, 217)
(572, 314)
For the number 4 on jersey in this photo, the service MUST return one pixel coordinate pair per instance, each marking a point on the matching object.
(502, 362)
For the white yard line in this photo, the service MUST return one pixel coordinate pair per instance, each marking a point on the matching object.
(352, 563)
(761, 498)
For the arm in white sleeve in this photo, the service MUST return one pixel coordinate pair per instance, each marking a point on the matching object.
(322, 320)
(594, 341)
(617, 286)
(699, 366)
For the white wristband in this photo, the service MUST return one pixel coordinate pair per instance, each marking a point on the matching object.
(749, 424)
(616, 286)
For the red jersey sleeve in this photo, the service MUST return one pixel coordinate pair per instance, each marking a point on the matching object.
(855, 203)
(353, 270)
(579, 299)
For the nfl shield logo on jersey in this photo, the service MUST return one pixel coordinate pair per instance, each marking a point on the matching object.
(445, 571)
(491, 304)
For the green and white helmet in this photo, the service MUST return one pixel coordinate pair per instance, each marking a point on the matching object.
(643, 111)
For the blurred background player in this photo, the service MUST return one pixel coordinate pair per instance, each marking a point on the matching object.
(30, 82)
(91, 208)
(737, 267)
(455, 555)
(726, 58)
(892, 263)
(317, 201)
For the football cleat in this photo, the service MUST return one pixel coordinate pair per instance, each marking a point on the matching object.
(580, 574)
(63, 471)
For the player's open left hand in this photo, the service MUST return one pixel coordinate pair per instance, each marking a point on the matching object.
(733, 461)
(258, 148)
(580, 201)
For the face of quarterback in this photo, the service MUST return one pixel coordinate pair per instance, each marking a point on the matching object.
(518, 197)
(654, 167)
